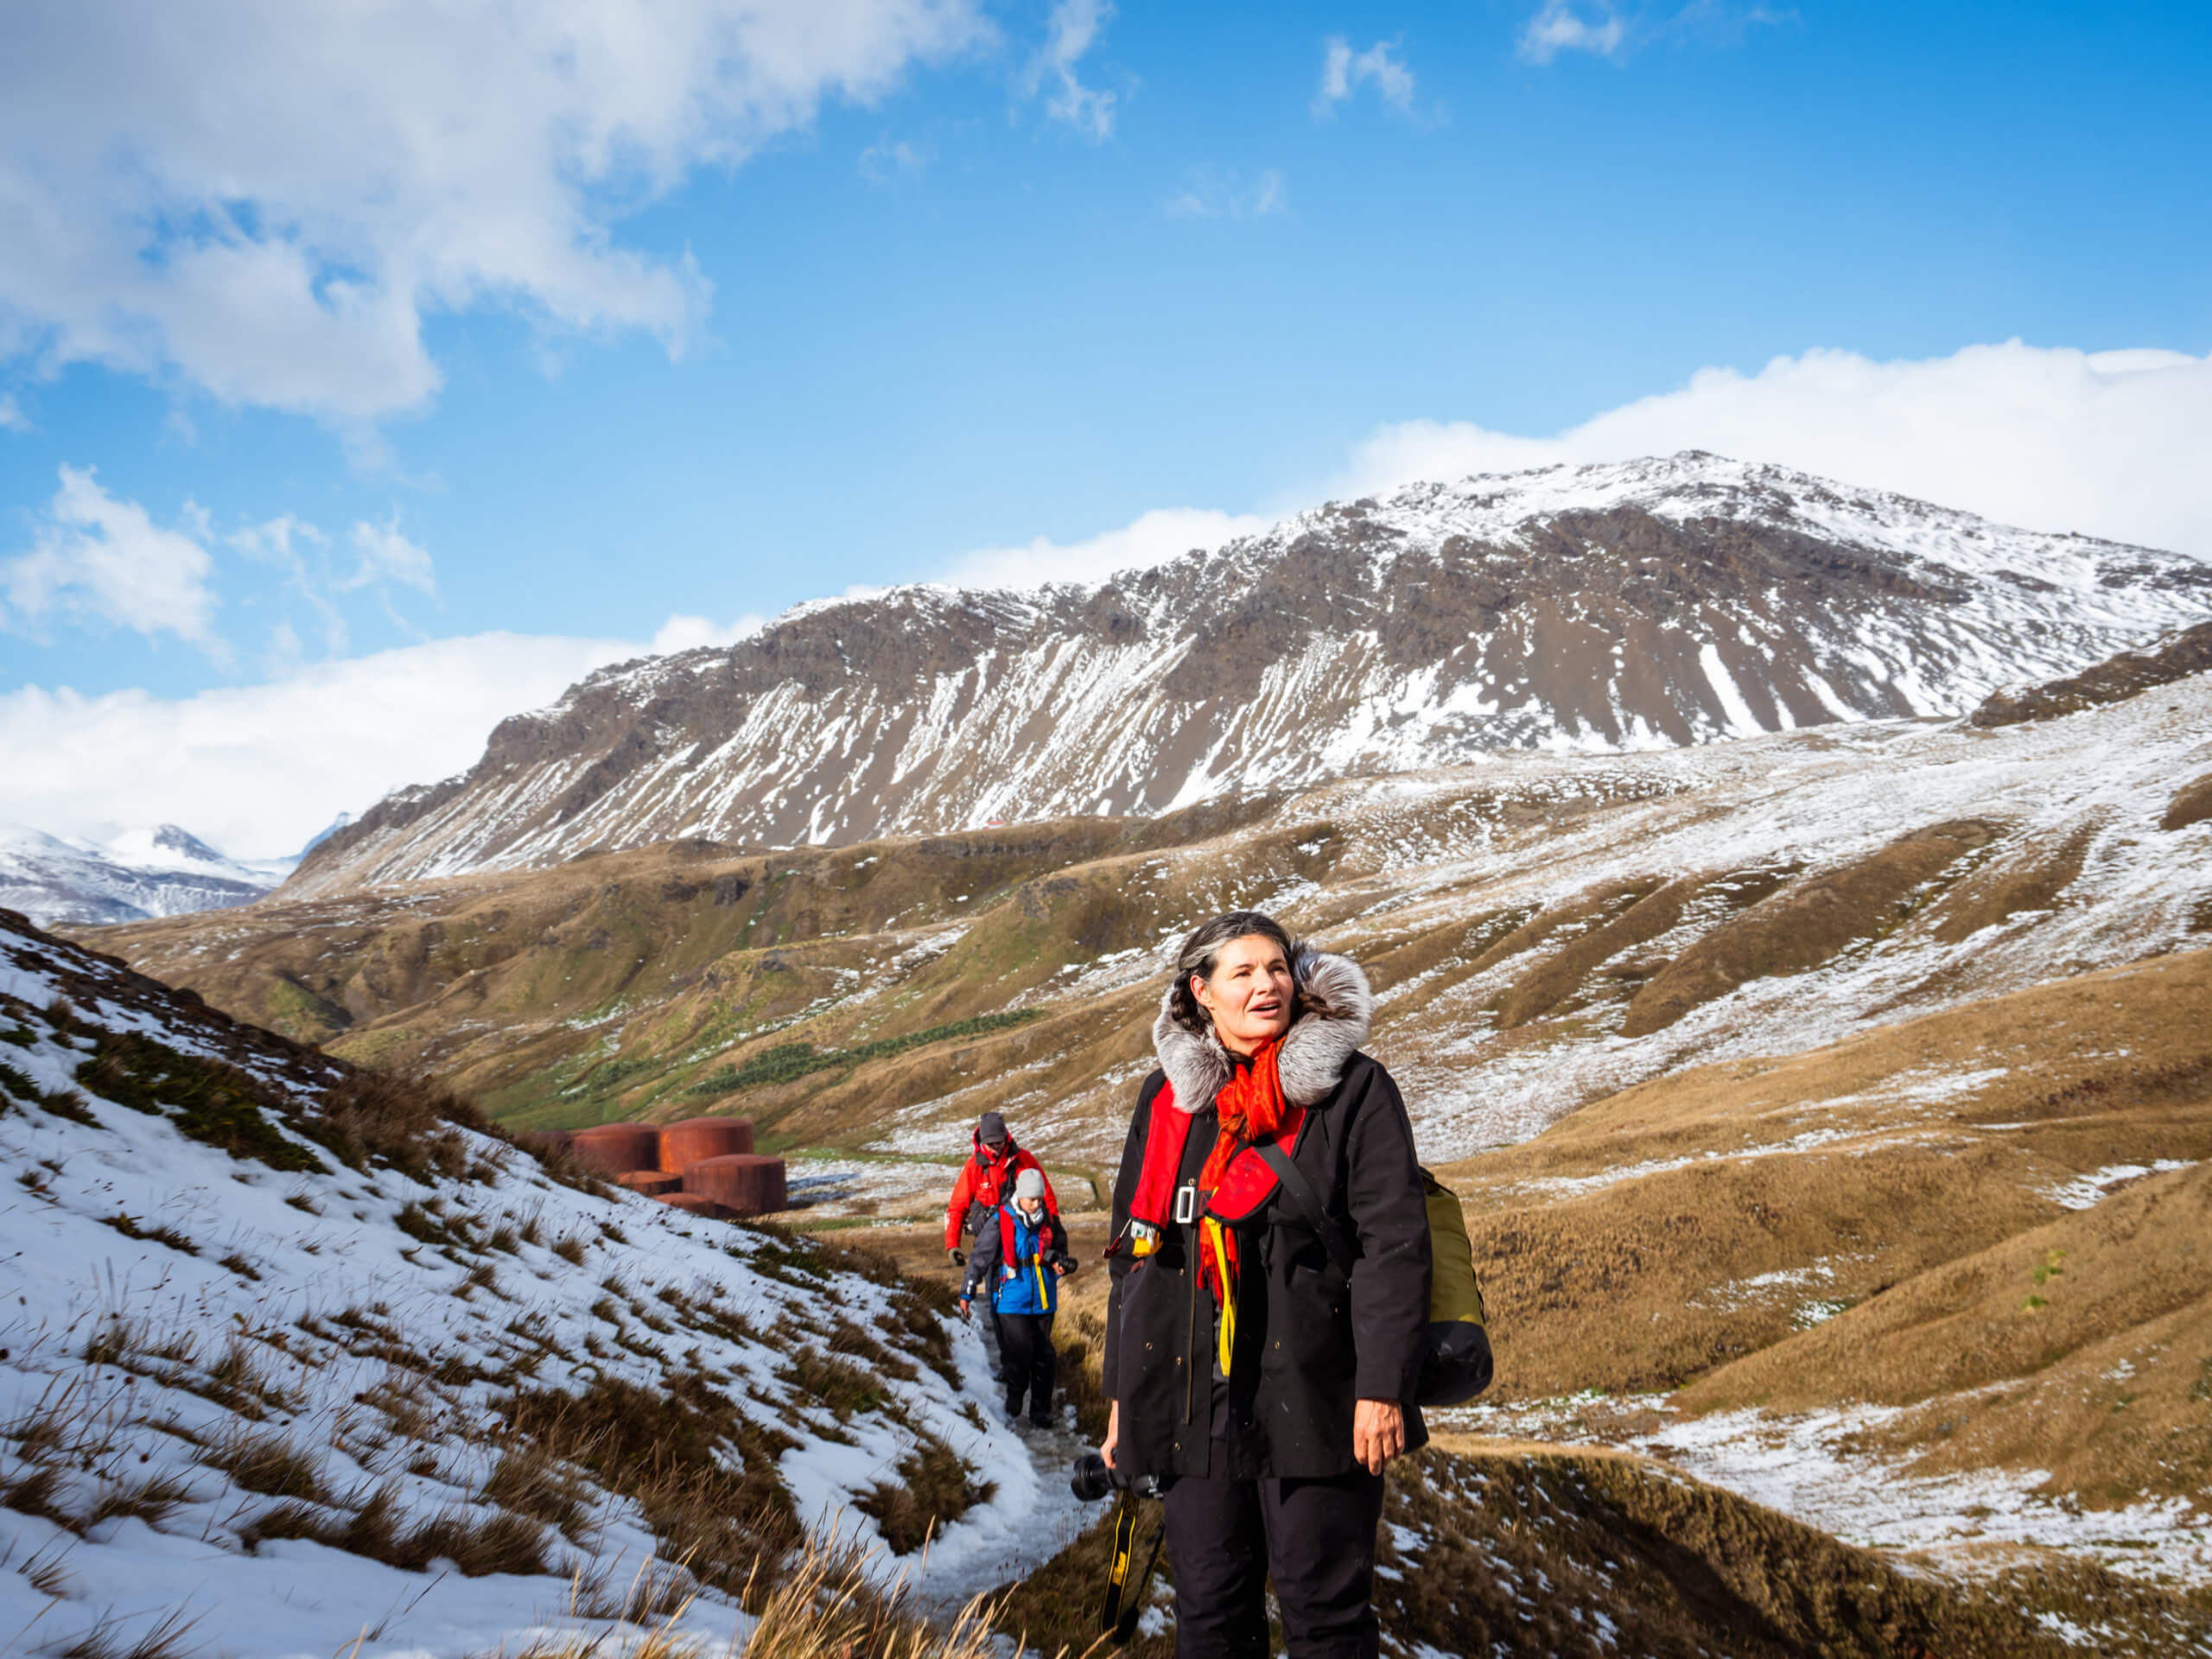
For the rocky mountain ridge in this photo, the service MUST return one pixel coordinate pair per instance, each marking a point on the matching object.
(1632, 605)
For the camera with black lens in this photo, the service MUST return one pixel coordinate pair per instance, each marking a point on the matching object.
(1090, 1478)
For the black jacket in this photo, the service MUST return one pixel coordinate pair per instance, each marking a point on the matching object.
(1310, 1342)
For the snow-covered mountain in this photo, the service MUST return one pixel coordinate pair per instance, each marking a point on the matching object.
(142, 874)
(1632, 605)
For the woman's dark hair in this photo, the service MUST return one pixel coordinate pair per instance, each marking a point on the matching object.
(1202, 951)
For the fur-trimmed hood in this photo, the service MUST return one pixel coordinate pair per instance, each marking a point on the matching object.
(1337, 1009)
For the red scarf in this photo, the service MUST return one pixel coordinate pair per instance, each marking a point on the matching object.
(1251, 1107)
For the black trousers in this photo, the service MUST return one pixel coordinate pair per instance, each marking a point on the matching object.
(1025, 1348)
(1314, 1538)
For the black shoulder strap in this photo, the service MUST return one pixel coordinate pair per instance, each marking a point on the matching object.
(1308, 1202)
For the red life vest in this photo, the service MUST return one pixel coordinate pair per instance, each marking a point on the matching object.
(1248, 1184)
(1031, 1271)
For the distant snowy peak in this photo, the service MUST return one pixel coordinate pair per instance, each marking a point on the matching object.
(142, 874)
(1641, 604)
(166, 846)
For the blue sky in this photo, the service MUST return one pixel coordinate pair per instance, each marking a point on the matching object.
(503, 348)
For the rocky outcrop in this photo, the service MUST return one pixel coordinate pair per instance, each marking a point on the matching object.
(2180, 654)
(1642, 605)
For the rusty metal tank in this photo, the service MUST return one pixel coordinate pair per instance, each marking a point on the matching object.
(619, 1148)
(745, 1183)
(694, 1139)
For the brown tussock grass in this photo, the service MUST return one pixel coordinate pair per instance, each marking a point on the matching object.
(2083, 1345)
(1921, 1219)
(1806, 924)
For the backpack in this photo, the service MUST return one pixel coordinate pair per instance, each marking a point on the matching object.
(1457, 1365)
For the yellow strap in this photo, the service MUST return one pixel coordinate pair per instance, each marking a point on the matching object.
(1212, 1229)
(1043, 1300)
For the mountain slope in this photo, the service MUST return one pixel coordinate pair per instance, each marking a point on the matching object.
(1633, 606)
(1541, 930)
(1722, 1044)
(289, 1362)
(142, 874)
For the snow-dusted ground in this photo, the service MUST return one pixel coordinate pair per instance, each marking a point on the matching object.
(259, 1308)
(1804, 1467)
(2102, 779)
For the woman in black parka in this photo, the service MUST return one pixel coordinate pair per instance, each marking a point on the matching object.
(1263, 1386)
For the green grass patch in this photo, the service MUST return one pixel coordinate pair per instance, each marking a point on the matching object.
(207, 1100)
(787, 1062)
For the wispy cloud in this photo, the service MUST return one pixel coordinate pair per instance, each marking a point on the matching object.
(1561, 26)
(1605, 30)
(106, 561)
(1343, 72)
(1211, 193)
(1072, 32)
(12, 418)
(891, 160)
(385, 555)
(297, 550)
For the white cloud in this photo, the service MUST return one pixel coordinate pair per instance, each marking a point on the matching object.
(1070, 33)
(1558, 27)
(1343, 72)
(1210, 193)
(387, 555)
(12, 418)
(690, 632)
(1162, 534)
(95, 557)
(265, 198)
(259, 769)
(285, 542)
(2116, 444)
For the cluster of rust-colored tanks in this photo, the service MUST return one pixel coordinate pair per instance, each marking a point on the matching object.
(702, 1165)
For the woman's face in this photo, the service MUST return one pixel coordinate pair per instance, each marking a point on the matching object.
(1249, 993)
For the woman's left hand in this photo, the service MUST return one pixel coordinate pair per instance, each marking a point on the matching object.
(1378, 1433)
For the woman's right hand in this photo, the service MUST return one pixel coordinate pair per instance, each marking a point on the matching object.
(1113, 1433)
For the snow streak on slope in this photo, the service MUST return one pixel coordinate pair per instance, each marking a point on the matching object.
(211, 1360)
(1625, 606)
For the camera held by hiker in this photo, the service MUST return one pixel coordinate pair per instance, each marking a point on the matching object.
(1269, 1315)
(1020, 1258)
(986, 1182)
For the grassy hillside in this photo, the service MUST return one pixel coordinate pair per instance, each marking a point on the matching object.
(1828, 1109)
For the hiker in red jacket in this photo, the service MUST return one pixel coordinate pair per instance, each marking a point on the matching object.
(986, 1182)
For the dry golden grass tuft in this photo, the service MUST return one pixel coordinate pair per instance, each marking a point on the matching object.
(2083, 1346)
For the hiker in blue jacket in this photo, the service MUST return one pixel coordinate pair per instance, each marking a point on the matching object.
(1021, 1254)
